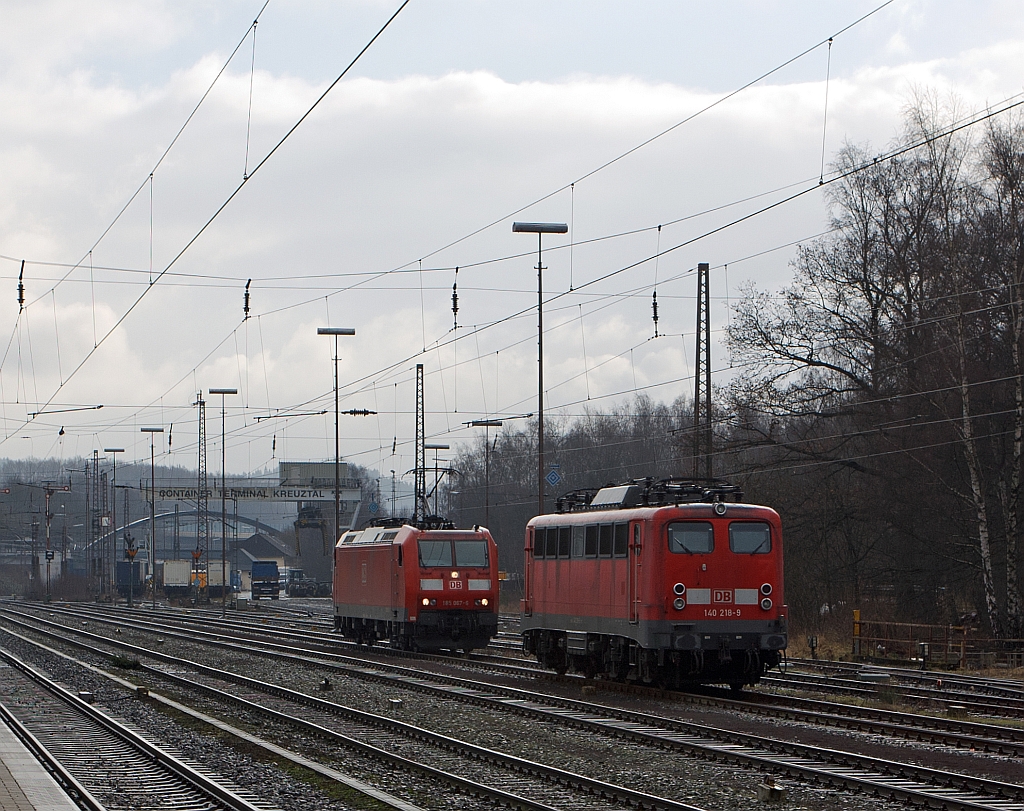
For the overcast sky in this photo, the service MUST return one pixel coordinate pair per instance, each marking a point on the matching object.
(454, 123)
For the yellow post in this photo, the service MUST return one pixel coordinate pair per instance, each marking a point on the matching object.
(856, 632)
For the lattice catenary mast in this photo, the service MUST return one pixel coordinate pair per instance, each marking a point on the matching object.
(702, 435)
(202, 498)
(421, 451)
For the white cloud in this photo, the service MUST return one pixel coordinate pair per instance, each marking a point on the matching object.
(383, 173)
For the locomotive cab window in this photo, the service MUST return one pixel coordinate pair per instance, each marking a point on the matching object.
(753, 538)
(471, 553)
(538, 542)
(435, 553)
(691, 537)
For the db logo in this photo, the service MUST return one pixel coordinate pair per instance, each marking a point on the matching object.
(722, 596)
(455, 584)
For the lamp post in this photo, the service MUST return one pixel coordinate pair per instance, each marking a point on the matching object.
(336, 331)
(540, 228)
(435, 447)
(108, 565)
(223, 503)
(152, 511)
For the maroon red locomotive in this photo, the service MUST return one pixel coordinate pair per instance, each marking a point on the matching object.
(427, 587)
(670, 582)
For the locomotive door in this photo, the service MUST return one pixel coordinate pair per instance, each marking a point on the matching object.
(528, 573)
(633, 577)
(396, 561)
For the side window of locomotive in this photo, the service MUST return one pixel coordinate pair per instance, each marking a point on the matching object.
(564, 541)
(590, 547)
(691, 537)
(552, 545)
(399, 556)
(577, 542)
(435, 553)
(606, 540)
(471, 553)
(750, 538)
(538, 542)
(621, 540)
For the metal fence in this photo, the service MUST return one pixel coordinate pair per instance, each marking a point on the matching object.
(954, 646)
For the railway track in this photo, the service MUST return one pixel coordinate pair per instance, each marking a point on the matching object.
(973, 702)
(910, 726)
(102, 762)
(949, 680)
(950, 731)
(896, 780)
(508, 780)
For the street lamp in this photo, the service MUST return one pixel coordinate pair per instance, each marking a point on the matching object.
(223, 503)
(108, 565)
(336, 331)
(540, 228)
(435, 447)
(152, 511)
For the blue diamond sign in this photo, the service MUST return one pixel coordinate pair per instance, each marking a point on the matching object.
(553, 478)
(373, 508)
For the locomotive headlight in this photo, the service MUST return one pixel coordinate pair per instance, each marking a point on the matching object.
(454, 575)
(766, 589)
(766, 603)
(679, 603)
(485, 601)
(433, 602)
(478, 602)
(679, 589)
(720, 508)
(426, 601)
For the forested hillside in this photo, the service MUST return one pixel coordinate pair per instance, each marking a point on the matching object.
(877, 401)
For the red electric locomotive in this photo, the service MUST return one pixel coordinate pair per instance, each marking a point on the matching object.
(426, 587)
(670, 582)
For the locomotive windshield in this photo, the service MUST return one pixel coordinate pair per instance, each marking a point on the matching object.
(750, 538)
(691, 537)
(435, 553)
(471, 553)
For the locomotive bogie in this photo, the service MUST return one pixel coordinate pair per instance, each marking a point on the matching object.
(417, 589)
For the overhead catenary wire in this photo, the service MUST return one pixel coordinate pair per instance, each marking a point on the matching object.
(227, 201)
(477, 339)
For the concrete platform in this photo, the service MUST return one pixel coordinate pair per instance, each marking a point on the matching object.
(24, 784)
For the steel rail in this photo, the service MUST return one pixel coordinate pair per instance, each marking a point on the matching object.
(1001, 740)
(552, 775)
(952, 679)
(944, 731)
(198, 781)
(64, 778)
(990, 704)
(797, 758)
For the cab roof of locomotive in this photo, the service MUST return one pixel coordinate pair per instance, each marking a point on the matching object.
(650, 493)
(391, 532)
